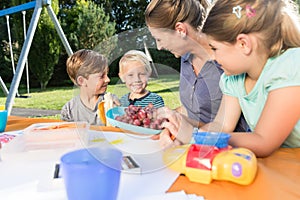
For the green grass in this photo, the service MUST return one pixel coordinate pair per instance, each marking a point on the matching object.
(55, 98)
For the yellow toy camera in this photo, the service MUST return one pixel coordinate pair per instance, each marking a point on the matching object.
(203, 163)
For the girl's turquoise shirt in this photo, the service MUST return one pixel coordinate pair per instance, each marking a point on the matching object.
(279, 72)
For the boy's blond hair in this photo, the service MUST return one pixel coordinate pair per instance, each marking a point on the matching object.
(85, 62)
(135, 55)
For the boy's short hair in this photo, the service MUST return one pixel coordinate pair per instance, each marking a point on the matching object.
(135, 55)
(85, 62)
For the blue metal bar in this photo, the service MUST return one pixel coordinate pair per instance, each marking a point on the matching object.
(25, 6)
(23, 56)
(59, 30)
(38, 4)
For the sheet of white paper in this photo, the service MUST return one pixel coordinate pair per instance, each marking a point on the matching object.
(167, 196)
(29, 191)
(29, 175)
(148, 153)
(134, 186)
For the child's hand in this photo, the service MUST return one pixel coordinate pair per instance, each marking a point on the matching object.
(166, 139)
(115, 99)
(155, 137)
(179, 130)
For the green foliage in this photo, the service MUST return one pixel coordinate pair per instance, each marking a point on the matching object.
(17, 37)
(45, 49)
(86, 24)
(128, 14)
(91, 24)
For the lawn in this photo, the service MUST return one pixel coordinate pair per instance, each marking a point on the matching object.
(55, 98)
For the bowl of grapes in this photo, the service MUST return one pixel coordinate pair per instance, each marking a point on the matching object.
(135, 119)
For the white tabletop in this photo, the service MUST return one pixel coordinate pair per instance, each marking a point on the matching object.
(29, 174)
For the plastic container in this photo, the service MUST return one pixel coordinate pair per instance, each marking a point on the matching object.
(216, 139)
(55, 135)
(3, 120)
(92, 173)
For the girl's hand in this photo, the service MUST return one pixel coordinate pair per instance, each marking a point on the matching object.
(178, 129)
(166, 139)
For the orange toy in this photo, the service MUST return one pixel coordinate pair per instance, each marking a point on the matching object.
(101, 112)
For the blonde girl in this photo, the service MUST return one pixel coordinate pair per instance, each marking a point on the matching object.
(256, 42)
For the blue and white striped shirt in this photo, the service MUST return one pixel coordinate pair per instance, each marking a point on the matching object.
(144, 101)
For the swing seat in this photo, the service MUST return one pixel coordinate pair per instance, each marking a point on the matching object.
(23, 96)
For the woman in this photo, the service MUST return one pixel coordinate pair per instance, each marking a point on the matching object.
(257, 44)
(174, 24)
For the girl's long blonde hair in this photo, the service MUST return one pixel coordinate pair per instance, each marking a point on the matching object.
(276, 21)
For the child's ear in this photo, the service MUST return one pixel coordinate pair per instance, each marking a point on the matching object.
(80, 80)
(244, 42)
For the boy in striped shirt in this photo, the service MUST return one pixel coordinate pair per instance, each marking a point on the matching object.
(134, 71)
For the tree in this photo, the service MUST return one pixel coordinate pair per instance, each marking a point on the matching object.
(45, 49)
(86, 24)
(17, 37)
(128, 14)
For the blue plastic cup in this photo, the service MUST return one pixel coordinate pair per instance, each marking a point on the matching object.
(92, 173)
(3, 120)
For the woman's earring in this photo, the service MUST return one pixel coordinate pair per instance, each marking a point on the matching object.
(183, 35)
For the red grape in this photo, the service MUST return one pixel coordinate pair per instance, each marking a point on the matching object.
(138, 116)
(146, 121)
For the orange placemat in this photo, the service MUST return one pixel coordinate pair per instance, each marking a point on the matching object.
(278, 177)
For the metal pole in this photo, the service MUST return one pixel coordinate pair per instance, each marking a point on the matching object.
(23, 56)
(18, 8)
(59, 29)
(24, 30)
(3, 86)
(10, 45)
(11, 48)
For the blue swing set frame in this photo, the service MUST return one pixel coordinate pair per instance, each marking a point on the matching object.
(37, 5)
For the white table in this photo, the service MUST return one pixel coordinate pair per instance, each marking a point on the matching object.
(29, 174)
